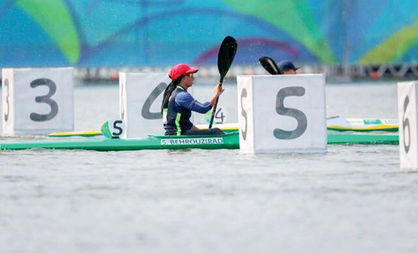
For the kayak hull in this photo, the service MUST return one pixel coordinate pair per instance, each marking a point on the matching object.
(226, 141)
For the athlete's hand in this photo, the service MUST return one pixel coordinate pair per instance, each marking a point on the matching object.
(218, 90)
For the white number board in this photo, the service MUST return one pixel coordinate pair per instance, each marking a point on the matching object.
(37, 100)
(407, 111)
(281, 114)
(140, 96)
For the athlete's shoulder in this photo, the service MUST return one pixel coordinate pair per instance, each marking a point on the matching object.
(184, 95)
(184, 98)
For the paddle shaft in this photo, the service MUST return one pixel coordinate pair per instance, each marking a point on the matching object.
(214, 108)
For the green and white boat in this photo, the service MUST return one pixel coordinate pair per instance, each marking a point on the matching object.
(229, 140)
(337, 123)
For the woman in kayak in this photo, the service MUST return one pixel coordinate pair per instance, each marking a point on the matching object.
(178, 104)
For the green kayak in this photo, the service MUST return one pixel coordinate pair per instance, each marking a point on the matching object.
(229, 140)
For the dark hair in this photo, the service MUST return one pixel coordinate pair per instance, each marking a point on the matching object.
(167, 92)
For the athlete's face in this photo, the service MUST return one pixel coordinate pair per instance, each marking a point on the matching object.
(187, 80)
(291, 72)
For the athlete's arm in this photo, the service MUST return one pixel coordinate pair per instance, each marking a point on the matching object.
(186, 100)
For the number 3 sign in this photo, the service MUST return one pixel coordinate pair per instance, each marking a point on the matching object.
(37, 101)
(280, 114)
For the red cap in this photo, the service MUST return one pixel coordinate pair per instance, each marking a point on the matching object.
(180, 70)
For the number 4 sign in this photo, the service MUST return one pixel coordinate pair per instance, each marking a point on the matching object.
(37, 101)
(140, 97)
(219, 117)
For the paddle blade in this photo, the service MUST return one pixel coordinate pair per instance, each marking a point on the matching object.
(226, 55)
(269, 65)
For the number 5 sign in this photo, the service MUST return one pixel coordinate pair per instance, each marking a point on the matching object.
(37, 101)
(282, 113)
(407, 111)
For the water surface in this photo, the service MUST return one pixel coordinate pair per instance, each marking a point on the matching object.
(352, 199)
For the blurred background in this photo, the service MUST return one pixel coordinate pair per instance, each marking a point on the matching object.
(346, 39)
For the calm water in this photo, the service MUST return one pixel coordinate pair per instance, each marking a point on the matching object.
(352, 199)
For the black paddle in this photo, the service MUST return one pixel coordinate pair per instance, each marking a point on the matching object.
(269, 65)
(226, 55)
